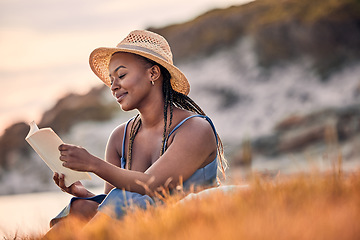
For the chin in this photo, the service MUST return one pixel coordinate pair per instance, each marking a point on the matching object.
(126, 108)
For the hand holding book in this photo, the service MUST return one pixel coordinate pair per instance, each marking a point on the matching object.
(46, 144)
(76, 189)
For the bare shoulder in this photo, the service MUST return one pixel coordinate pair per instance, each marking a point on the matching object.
(118, 132)
(195, 123)
(116, 135)
(198, 126)
(114, 145)
(191, 146)
(197, 129)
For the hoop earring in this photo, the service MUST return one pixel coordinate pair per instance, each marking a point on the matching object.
(152, 83)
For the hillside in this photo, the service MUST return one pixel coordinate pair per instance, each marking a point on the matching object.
(324, 31)
(250, 67)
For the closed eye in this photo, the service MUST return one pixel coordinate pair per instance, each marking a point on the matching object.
(111, 80)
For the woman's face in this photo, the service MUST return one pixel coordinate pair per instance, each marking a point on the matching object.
(130, 80)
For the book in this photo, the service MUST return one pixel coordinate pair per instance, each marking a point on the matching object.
(46, 142)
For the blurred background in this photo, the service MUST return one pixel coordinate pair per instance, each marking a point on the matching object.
(280, 79)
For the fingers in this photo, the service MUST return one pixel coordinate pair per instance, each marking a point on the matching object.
(62, 182)
(56, 178)
(63, 158)
(63, 147)
(67, 147)
(59, 180)
(64, 152)
(74, 157)
(67, 150)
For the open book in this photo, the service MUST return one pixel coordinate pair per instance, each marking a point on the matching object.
(46, 143)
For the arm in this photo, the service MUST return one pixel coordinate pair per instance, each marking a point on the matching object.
(182, 158)
(113, 152)
(112, 155)
(76, 189)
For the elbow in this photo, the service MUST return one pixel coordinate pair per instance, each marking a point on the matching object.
(155, 186)
(165, 186)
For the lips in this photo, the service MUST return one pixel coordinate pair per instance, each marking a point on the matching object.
(120, 96)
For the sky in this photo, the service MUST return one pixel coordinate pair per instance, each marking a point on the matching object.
(45, 45)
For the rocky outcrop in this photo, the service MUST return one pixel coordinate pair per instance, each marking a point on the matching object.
(75, 108)
(297, 133)
(281, 30)
(325, 32)
(12, 145)
(69, 110)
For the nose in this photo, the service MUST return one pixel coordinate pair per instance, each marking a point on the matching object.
(114, 84)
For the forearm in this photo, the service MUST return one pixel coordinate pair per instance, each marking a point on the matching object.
(85, 194)
(123, 179)
(89, 194)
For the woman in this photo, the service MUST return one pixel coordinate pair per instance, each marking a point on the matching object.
(169, 143)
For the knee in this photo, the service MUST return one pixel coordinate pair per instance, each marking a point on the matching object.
(83, 208)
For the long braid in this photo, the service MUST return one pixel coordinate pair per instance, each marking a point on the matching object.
(184, 102)
(168, 95)
(168, 99)
(133, 131)
(166, 105)
(171, 99)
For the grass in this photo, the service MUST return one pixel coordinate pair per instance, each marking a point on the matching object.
(303, 206)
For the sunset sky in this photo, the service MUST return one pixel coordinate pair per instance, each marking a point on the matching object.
(45, 45)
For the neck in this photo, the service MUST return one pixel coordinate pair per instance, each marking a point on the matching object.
(150, 120)
(152, 115)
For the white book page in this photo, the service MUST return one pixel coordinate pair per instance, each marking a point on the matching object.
(46, 143)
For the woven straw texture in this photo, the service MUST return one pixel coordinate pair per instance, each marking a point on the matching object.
(146, 44)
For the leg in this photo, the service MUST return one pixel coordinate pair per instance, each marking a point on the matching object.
(84, 209)
(81, 211)
(99, 221)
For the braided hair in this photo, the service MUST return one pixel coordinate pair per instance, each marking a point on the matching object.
(171, 99)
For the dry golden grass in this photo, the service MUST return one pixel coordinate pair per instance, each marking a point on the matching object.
(306, 206)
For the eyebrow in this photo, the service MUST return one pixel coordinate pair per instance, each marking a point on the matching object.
(116, 69)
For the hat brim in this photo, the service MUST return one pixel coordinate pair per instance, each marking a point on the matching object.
(100, 58)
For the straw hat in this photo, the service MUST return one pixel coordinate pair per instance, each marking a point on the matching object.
(146, 44)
